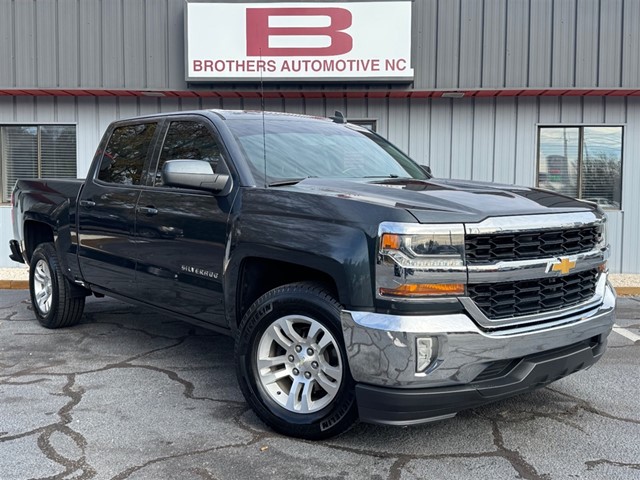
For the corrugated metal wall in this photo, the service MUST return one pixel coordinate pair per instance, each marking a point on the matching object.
(490, 139)
(139, 44)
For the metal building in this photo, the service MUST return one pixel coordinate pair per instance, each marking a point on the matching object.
(532, 92)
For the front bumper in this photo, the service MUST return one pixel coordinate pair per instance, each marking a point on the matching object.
(470, 366)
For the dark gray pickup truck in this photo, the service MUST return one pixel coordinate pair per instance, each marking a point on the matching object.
(354, 283)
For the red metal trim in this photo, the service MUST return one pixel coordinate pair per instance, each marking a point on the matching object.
(356, 92)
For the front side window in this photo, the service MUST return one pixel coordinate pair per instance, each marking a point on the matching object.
(582, 162)
(36, 151)
(126, 153)
(189, 141)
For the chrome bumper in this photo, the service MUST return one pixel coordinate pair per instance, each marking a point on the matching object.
(382, 349)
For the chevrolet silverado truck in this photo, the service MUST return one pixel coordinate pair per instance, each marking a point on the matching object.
(354, 283)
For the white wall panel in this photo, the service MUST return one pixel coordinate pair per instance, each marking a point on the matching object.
(526, 138)
(45, 109)
(504, 158)
(483, 138)
(419, 130)
(461, 140)
(571, 109)
(7, 106)
(440, 144)
(399, 127)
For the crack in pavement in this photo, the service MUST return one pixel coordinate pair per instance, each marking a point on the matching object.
(586, 406)
(62, 427)
(591, 464)
(127, 473)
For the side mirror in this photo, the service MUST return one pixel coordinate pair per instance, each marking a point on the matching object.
(426, 169)
(196, 174)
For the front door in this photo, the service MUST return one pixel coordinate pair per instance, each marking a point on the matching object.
(181, 233)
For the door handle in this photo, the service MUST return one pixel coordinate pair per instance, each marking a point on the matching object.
(87, 203)
(150, 211)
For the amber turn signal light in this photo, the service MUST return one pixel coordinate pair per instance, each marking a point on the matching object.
(390, 241)
(423, 289)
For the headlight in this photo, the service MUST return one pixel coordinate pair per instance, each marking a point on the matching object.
(420, 260)
(603, 234)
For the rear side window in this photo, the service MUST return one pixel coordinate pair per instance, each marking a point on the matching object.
(186, 140)
(124, 158)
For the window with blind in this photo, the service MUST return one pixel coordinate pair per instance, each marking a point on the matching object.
(583, 162)
(35, 151)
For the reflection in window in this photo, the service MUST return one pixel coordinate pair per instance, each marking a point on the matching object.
(582, 162)
(126, 153)
(188, 141)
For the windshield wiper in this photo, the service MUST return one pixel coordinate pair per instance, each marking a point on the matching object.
(287, 181)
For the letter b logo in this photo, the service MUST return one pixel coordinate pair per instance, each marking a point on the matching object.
(261, 35)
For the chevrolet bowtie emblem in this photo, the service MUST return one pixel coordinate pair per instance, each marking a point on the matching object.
(564, 266)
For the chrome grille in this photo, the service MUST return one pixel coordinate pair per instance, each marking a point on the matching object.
(528, 297)
(483, 249)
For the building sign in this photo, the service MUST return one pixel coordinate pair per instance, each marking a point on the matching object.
(334, 41)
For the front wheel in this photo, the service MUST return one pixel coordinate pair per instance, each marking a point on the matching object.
(55, 303)
(291, 362)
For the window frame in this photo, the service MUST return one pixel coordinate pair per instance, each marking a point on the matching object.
(159, 146)
(39, 160)
(151, 153)
(581, 126)
(364, 122)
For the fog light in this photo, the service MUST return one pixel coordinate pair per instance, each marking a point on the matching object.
(426, 352)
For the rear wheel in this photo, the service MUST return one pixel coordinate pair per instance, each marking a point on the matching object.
(54, 300)
(292, 365)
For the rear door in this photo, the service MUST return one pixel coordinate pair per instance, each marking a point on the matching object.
(181, 233)
(106, 210)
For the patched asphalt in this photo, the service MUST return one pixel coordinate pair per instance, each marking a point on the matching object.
(130, 394)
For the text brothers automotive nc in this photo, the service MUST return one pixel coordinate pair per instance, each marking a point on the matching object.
(299, 41)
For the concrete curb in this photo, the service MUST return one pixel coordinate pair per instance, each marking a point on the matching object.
(24, 285)
(627, 291)
(14, 284)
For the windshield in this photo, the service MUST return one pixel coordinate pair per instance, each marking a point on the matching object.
(301, 149)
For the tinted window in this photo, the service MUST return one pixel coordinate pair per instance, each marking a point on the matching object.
(126, 153)
(189, 141)
(313, 148)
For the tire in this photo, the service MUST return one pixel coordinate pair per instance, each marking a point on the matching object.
(54, 301)
(292, 365)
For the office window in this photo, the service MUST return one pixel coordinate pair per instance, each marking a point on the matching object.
(582, 162)
(35, 151)
(369, 123)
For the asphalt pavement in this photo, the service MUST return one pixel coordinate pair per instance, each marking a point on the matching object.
(130, 394)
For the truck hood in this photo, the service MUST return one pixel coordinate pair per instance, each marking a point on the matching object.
(437, 200)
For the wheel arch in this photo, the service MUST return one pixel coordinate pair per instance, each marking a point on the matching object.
(262, 269)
